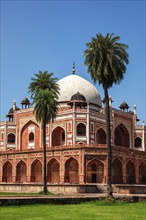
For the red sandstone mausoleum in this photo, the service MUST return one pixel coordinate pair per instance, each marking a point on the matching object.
(76, 145)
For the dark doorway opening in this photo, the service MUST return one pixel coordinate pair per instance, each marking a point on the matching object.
(93, 178)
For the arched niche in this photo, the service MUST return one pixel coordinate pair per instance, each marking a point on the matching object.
(28, 133)
(130, 172)
(117, 174)
(58, 136)
(7, 172)
(71, 171)
(122, 136)
(36, 171)
(21, 172)
(95, 171)
(100, 136)
(81, 129)
(53, 171)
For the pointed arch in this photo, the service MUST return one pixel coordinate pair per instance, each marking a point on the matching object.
(11, 138)
(130, 172)
(36, 171)
(30, 130)
(142, 173)
(95, 171)
(117, 173)
(21, 171)
(122, 136)
(71, 171)
(81, 129)
(58, 136)
(53, 168)
(7, 172)
(101, 136)
(138, 142)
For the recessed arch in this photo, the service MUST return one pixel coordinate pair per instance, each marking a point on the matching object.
(58, 136)
(142, 173)
(36, 171)
(53, 168)
(138, 142)
(81, 129)
(130, 172)
(7, 172)
(122, 136)
(71, 171)
(29, 128)
(117, 174)
(21, 171)
(100, 136)
(95, 171)
(11, 138)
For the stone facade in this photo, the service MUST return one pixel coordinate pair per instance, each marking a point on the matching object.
(76, 147)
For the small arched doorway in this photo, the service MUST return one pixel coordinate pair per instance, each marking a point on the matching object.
(117, 174)
(130, 172)
(53, 171)
(71, 171)
(36, 171)
(7, 172)
(21, 172)
(58, 136)
(95, 171)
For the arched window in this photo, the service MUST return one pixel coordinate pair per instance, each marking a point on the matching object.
(101, 136)
(11, 139)
(58, 136)
(122, 136)
(81, 129)
(137, 142)
(31, 137)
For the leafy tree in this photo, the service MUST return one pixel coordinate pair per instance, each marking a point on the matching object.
(106, 60)
(44, 93)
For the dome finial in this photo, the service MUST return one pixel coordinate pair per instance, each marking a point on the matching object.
(73, 69)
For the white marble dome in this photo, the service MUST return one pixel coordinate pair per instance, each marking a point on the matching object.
(72, 84)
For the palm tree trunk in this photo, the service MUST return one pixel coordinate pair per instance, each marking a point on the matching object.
(108, 141)
(44, 152)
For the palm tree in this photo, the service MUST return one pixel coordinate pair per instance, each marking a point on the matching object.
(44, 93)
(106, 60)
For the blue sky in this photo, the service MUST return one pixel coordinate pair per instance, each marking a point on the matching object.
(50, 35)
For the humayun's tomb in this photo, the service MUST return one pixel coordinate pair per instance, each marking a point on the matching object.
(76, 145)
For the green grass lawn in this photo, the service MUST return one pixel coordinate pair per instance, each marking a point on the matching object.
(101, 210)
